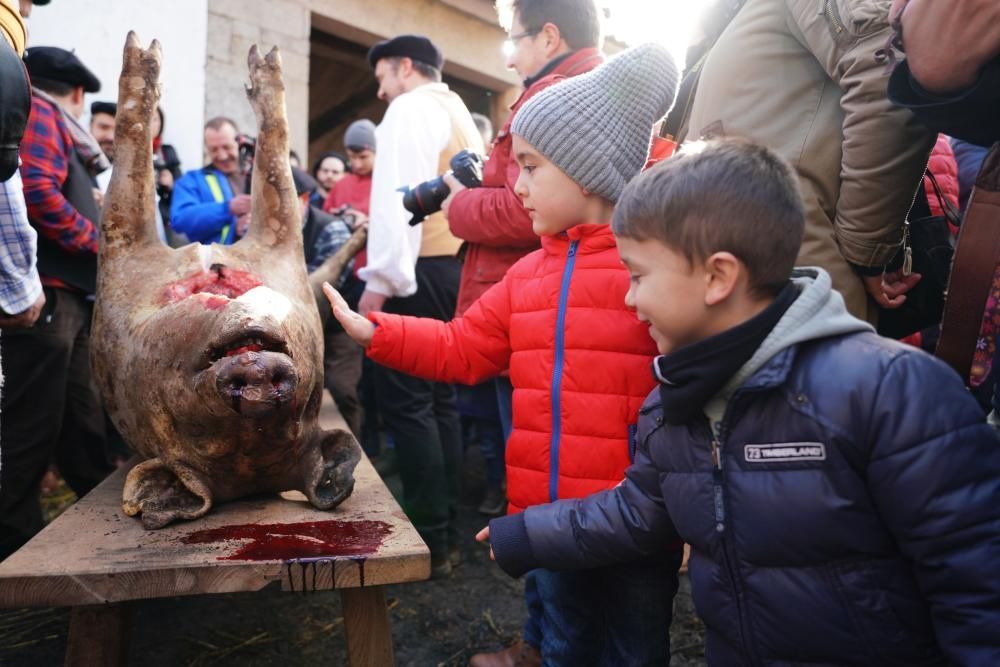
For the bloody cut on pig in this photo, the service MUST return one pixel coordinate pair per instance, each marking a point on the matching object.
(209, 358)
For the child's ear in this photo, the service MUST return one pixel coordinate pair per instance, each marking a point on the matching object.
(722, 276)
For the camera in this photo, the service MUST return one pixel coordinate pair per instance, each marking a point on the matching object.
(247, 147)
(426, 198)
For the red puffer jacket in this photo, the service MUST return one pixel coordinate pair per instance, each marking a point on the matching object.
(945, 169)
(491, 219)
(579, 361)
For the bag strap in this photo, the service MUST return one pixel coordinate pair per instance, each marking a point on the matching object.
(977, 254)
(948, 209)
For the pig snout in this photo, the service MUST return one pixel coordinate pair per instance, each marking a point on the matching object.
(256, 383)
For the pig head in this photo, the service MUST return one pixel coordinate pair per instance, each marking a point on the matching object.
(209, 358)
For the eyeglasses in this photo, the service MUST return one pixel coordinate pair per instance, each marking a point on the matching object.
(511, 42)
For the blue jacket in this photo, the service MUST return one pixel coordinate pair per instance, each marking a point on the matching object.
(200, 213)
(855, 518)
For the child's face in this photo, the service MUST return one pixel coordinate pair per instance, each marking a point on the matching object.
(667, 291)
(553, 200)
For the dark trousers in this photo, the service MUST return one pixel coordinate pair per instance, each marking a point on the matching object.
(341, 375)
(423, 419)
(49, 410)
(615, 615)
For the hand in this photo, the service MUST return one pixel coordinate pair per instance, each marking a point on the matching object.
(98, 197)
(927, 24)
(370, 302)
(242, 225)
(455, 187)
(889, 289)
(239, 205)
(484, 536)
(354, 218)
(26, 318)
(356, 326)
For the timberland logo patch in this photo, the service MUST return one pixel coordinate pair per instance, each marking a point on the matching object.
(785, 451)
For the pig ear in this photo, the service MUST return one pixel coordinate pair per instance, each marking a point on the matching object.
(163, 495)
(328, 474)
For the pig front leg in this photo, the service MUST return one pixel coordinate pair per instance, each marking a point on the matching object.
(326, 468)
(164, 494)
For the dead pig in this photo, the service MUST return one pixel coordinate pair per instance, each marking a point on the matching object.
(209, 357)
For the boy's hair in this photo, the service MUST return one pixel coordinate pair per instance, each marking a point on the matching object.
(727, 195)
(579, 21)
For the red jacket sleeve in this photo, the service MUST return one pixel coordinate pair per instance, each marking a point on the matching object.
(468, 349)
(493, 216)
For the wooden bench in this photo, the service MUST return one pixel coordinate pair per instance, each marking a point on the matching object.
(95, 559)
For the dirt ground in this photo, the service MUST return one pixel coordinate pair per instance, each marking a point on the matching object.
(433, 622)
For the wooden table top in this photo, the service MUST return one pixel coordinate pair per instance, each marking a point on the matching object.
(93, 553)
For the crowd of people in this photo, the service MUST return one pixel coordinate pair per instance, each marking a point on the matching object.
(652, 350)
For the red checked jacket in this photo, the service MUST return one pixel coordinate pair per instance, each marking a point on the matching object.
(491, 219)
(46, 150)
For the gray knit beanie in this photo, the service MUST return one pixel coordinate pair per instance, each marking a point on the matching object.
(597, 127)
(360, 134)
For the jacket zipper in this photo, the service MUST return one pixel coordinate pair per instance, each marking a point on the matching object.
(728, 549)
(834, 19)
(557, 371)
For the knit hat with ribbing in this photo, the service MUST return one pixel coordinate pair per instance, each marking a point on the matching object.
(597, 127)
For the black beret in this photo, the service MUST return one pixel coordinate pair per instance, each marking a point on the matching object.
(414, 47)
(110, 108)
(55, 64)
(40, 2)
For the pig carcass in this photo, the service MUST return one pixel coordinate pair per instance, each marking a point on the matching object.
(209, 358)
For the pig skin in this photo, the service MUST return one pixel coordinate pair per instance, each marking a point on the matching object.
(209, 358)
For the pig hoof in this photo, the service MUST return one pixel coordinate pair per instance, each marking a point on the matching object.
(163, 495)
(330, 480)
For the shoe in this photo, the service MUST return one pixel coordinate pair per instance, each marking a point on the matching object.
(494, 502)
(455, 556)
(518, 654)
(441, 570)
(387, 465)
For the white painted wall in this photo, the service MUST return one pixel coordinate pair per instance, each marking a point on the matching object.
(96, 30)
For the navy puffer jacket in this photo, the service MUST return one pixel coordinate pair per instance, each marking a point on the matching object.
(855, 519)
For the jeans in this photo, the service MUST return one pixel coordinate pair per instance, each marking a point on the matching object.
(614, 615)
(505, 395)
(481, 422)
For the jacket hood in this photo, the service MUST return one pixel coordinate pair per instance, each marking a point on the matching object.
(818, 312)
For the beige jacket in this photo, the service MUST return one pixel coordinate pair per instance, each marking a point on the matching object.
(802, 77)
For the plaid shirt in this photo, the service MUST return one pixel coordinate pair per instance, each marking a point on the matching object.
(329, 241)
(19, 283)
(45, 151)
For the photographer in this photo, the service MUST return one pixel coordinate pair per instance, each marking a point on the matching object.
(210, 205)
(550, 40)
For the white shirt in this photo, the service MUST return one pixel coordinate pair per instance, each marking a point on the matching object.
(409, 141)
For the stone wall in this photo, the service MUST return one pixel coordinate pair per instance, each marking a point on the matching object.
(470, 43)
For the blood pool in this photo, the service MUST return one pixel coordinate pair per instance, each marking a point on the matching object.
(219, 281)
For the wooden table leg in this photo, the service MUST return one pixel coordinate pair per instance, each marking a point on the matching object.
(98, 635)
(366, 624)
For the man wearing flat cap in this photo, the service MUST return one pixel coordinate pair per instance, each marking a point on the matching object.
(49, 404)
(413, 270)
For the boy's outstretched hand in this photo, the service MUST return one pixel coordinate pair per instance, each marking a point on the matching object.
(484, 536)
(357, 327)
